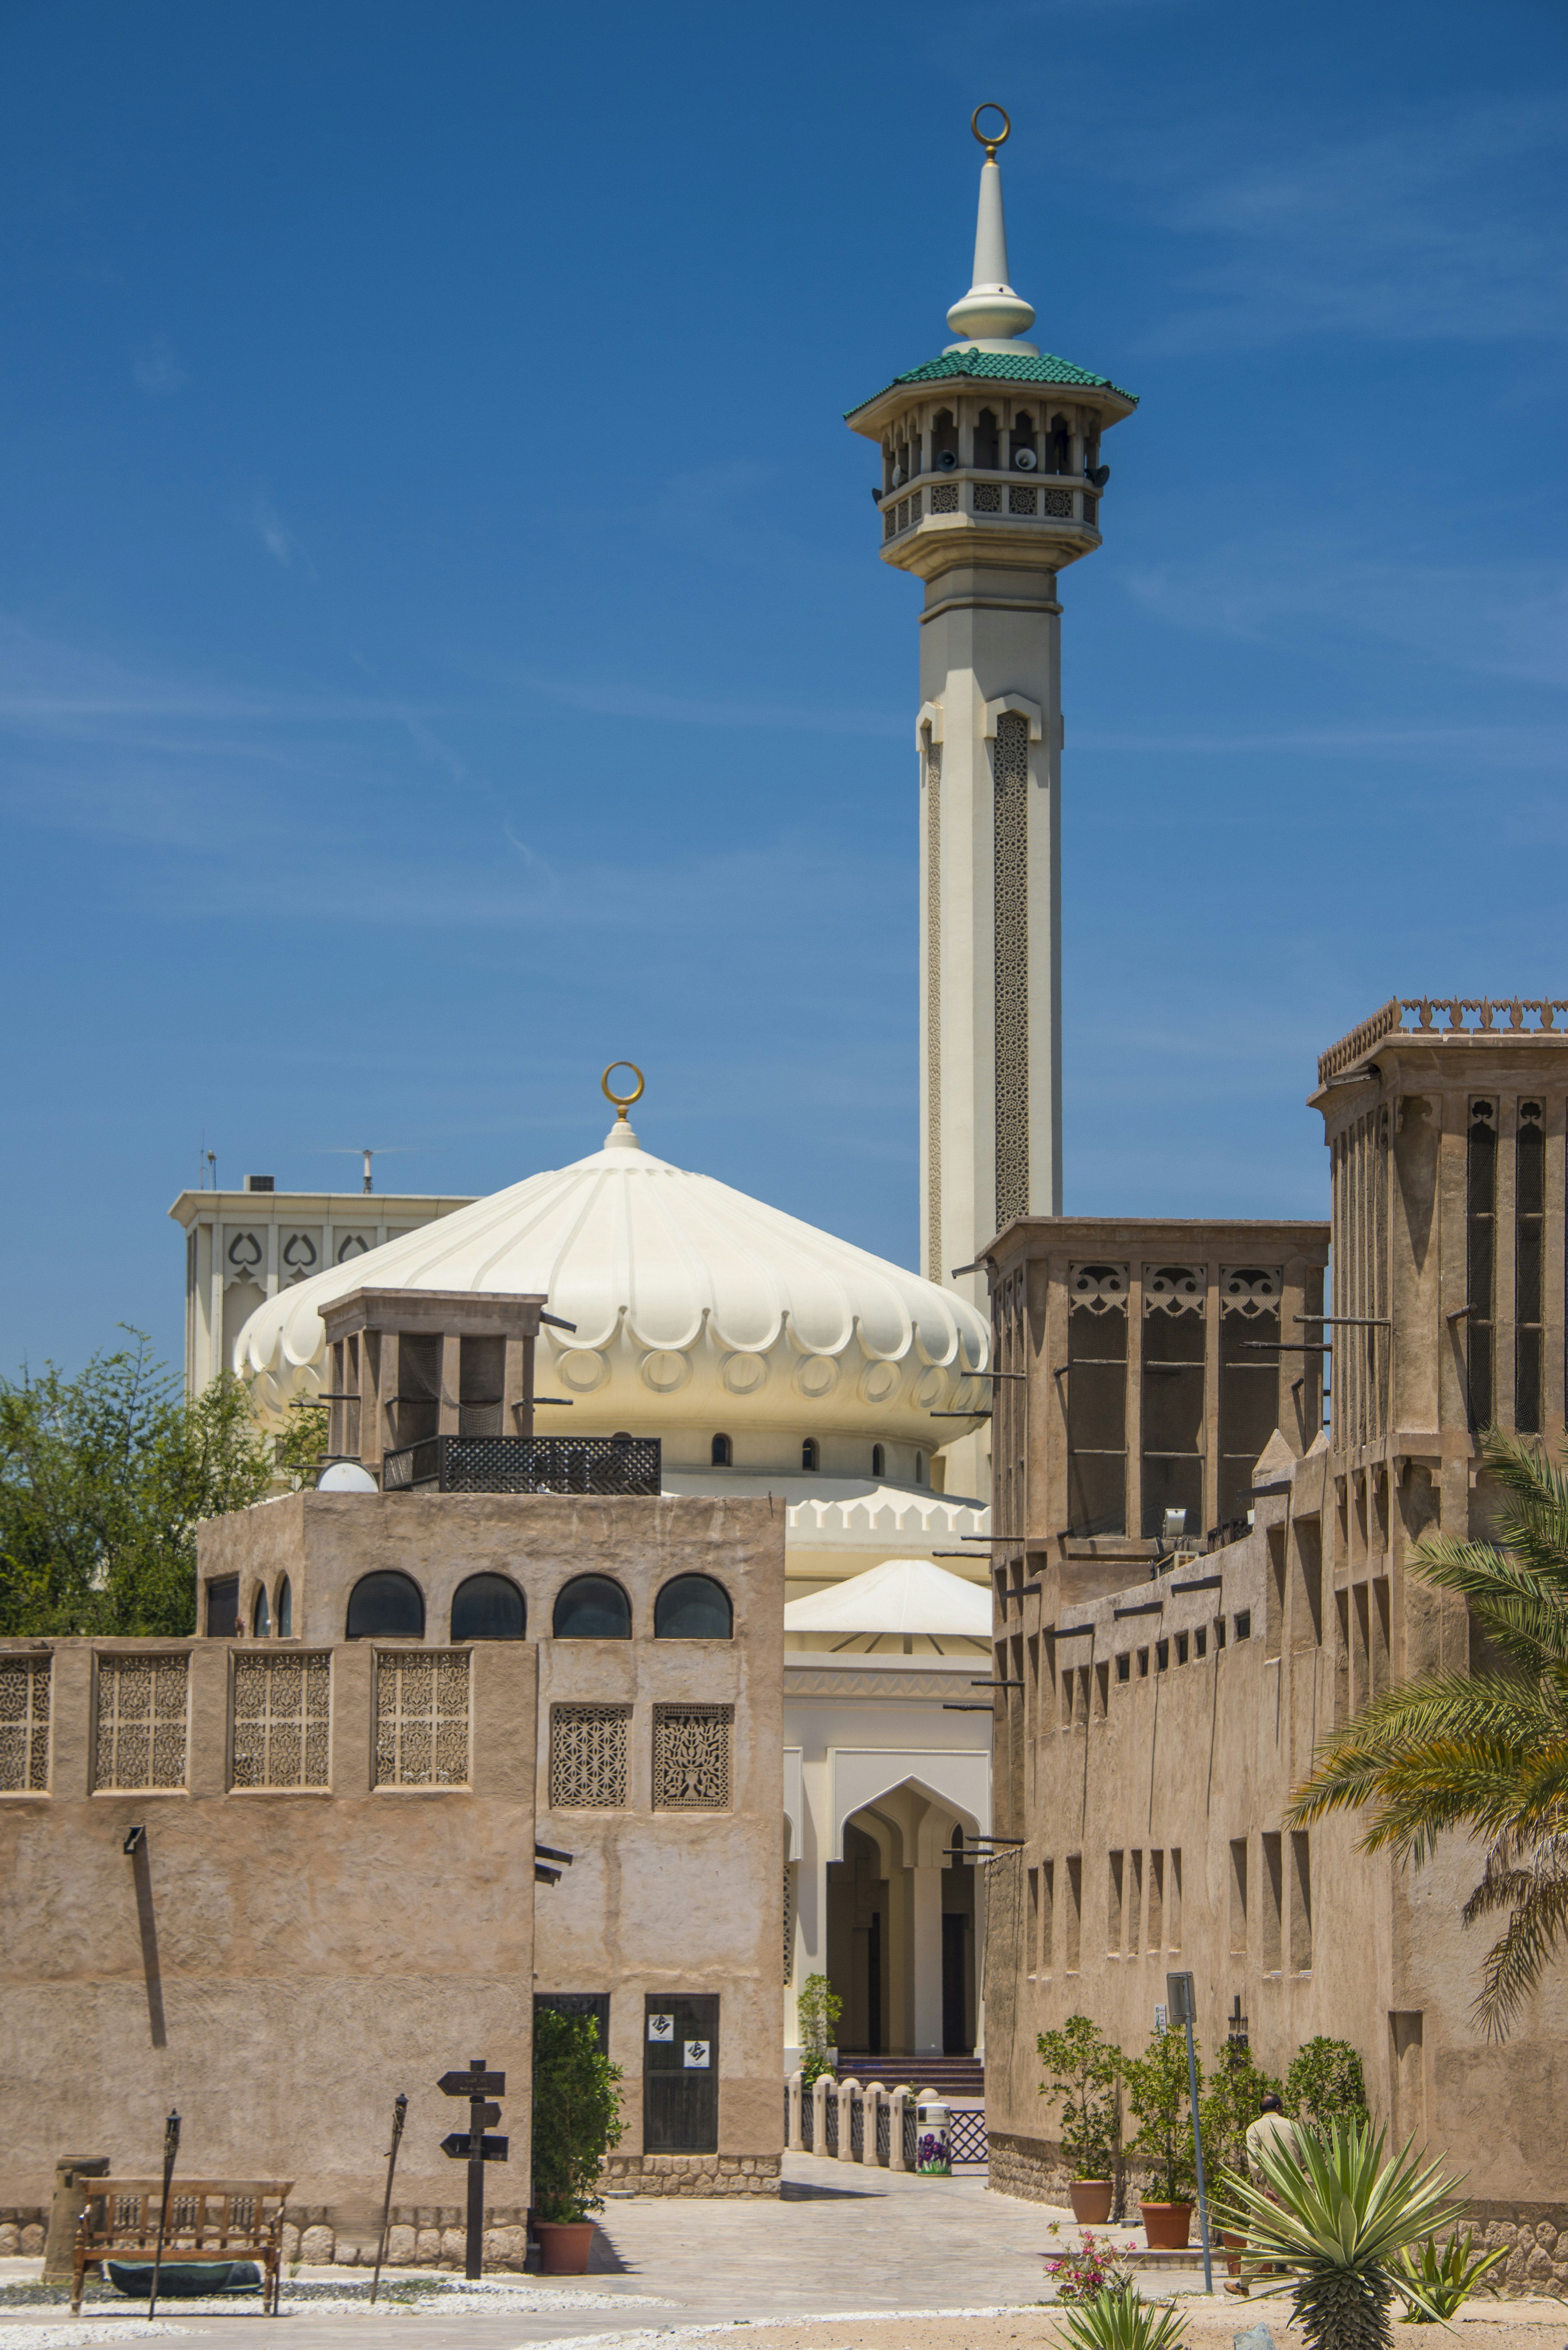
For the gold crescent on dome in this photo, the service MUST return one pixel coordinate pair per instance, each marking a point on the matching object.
(989, 105)
(623, 1102)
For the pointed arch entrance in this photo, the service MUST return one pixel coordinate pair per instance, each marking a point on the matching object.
(904, 1916)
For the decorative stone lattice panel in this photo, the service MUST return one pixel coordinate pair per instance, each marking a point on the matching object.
(143, 1711)
(934, 1269)
(1060, 504)
(1025, 502)
(1250, 1290)
(987, 497)
(24, 1725)
(789, 1869)
(1103, 1288)
(421, 1718)
(282, 1722)
(1010, 769)
(691, 1757)
(1173, 1288)
(1092, 512)
(945, 498)
(587, 1757)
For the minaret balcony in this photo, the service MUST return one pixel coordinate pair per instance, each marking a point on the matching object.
(968, 516)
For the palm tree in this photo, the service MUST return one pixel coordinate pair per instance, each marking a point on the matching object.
(1484, 1752)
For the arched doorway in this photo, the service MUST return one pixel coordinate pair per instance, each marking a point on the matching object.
(904, 1917)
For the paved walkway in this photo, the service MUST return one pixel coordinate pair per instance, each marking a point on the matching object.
(839, 2239)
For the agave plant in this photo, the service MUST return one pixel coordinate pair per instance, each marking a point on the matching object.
(1335, 2218)
(1434, 2285)
(1120, 2319)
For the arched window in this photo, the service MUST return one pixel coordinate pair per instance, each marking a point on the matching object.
(1061, 451)
(386, 1605)
(810, 1457)
(944, 441)
(878, 1461)
(693, 1608)
(1025, 456)
(723, 1452)
(592, 1608)
(987, 441)
(285, 1607)
(888, 463)
(919, 1468)
(260, 1615)
(488, 1607)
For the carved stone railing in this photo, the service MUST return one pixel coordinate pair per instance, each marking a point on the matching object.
(1444, 1015)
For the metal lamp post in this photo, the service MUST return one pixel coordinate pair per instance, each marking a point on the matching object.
(1179, 2010)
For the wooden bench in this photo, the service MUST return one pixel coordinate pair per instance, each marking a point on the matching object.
(208, 2220)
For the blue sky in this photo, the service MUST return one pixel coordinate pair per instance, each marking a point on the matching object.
(442, 642)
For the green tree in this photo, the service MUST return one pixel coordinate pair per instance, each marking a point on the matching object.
(298, 1451)
(1325, 2085)
(576, 2113)
(103, 1481)
(1484, 1752)
(1083, 2068)
(1230, 2102)
(1159, 2094)
(819, 2008)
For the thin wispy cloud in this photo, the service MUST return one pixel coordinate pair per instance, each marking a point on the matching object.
(280, 542)
(156, 370)
(614, 701)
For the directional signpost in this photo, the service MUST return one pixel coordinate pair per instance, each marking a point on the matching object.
(473, 2146)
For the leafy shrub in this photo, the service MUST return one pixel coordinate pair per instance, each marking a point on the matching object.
(1157, 2092)
(1230, 2104)
(576, 2113)
(1325, 2085)
(1094, 2268)
(819, 2008)
(1083, 2068)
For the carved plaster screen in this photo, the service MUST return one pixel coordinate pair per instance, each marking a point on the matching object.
(1173, 1401)
(933, 772)
(789, 1869)
(1097, 1398)
(141, 1722)
(24, 1725)
(691, 1757)
(1010, 768)
(282, 1722)
(421, 1718)
(1250, 1298)
(587, 1757)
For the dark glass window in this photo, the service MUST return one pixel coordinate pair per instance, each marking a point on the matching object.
(260, 1615)
(223, 1607)
(592, 1608)
(1244, 1624)
(488, 1607)
(1161, 1655)
(285, 1607)
(1480, 1253)
(1123, 1665)
(1096, 1395)
(693, 1608)
(879, 1461)
(723, 1452)
(386, 1605)
(809, 1456)
(1529, 1240)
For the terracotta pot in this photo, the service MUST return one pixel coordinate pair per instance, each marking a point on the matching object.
(1091, 2199)
(564, 2246)
(1168, 2226)
(1234, 2247)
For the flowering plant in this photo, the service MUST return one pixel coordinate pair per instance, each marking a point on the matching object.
(1095, 2267)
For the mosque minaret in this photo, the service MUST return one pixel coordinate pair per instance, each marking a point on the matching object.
(991, 482)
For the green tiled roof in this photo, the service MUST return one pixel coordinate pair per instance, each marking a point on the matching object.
(998, 367)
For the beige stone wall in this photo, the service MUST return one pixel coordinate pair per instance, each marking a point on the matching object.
(278, 1965)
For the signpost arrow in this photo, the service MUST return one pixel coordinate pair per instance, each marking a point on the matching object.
(459, 2145)
(476, 2082)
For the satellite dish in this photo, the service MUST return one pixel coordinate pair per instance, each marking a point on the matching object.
(1025, 460)
(947, 463)
(346, 1477)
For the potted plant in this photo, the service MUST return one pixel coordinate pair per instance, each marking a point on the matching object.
(576, 2120)
(1158, 2094)
(1083, 2068)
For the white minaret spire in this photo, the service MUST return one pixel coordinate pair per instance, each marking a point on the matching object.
(991, 484)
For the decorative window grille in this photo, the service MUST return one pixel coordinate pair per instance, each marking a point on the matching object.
(1025, 502)
(903, 514)
(587, 1757)
(1011, 861)
(987, 497)
(889, 520)
(282, 1721)
(421, 1718)
(934, 1005)
(1092, 512)
(691, 1757)
(24, 1725)
(141, 1722)
(789, 1869)
(945, 498)
(1059, 503)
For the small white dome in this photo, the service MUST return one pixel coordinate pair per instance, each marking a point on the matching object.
(695, 1307)
(346, 1477)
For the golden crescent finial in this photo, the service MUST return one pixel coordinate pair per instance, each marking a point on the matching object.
(623, 1102)
(989, 105)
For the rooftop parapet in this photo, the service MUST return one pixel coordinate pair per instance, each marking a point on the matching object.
(1443, 1016)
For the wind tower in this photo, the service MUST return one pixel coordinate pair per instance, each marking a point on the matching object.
(991, 484)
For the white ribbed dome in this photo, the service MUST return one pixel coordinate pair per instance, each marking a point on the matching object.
(695, 1307)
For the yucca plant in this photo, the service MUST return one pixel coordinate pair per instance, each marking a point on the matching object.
(1120, 2319)
(1439, 2282)
(1335, 2218)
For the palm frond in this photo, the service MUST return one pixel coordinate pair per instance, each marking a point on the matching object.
(1537, 1901)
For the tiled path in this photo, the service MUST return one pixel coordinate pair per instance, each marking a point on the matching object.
(839, 2239)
